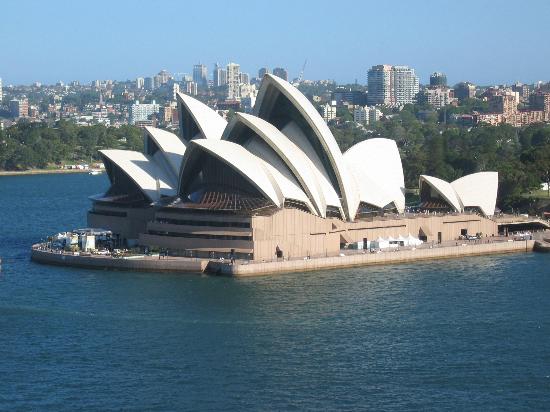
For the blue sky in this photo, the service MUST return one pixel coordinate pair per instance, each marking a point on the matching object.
(487, 42)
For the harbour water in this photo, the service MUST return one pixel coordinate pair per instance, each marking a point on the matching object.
(470, 334)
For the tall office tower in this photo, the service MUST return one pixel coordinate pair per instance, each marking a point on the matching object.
(200, 75)
(148, 83)
(219, 76)
(280, 72)
(392, 85)
(262, 72)
(379, 84)
(438, 79)
(1, 95)
(233, 81)
(140, 82)
(245, 78)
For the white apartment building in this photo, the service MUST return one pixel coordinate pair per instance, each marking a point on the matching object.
(392, 85)
(233, 81)
(175, 90)
(366, 114)
(405, 85)
(329, 111)
(437, 96)
(141, 111)
(191, 88)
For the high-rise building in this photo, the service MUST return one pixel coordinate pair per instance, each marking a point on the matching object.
(157, 81)
(1, 95)
(405, 85)
(245, 78)
(219, 76)
(191, 88)
(19, 107)
(200, 75)
(164, 76)
(505, 102)
(540, 101)
(465, 90)
(280, 72)
(148, 83)
(262, 72)
(523, 90)
(140, 82)
(380, 84)
(392, 85)
(233, 81)
(140, 111)
(175, 90)
(438, 79)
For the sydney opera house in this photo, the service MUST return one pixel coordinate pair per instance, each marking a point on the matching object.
(275, 181)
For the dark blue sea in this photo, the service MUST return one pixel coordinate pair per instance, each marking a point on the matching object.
(470, 334)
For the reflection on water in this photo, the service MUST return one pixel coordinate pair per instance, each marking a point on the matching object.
(455, 334)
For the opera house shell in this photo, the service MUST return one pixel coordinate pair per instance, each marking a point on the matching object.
(477, 192)
(272, 180)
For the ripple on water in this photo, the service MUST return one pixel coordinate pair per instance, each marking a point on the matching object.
(456, 334)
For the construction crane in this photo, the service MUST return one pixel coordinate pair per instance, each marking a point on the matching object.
(301, 76)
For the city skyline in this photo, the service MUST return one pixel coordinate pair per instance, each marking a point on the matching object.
(84, 43)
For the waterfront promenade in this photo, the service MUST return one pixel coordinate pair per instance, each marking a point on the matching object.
(348, 258)
(41, 172)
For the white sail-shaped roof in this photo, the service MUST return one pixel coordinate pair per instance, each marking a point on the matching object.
(293, 157)
(444, 189)
(378, 160)
(204, 121)
(152, 180)
(293, 132)
(369, 191)
(345, 181)
(249, 166)
(289, 187)
(171, 147)
(478, 190)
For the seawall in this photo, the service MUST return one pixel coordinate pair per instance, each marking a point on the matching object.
(402, 256)
(182, 265)
(107, 262)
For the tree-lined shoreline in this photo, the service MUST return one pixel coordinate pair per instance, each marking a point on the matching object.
(520, 156)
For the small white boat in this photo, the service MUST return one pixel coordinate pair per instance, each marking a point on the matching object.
(95, 172)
